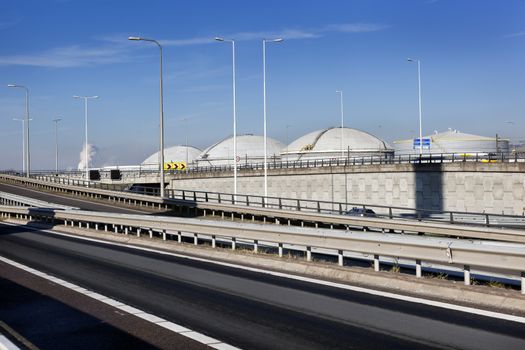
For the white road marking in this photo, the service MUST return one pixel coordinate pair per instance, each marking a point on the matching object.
(196, 336)
(75, 199)
(418, 300)
(6, 344)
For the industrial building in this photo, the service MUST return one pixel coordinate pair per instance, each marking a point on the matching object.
(250, 149)
(453, 142)
(326, 143)
(173, 154)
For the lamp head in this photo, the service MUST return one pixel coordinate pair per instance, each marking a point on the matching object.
(219, 38)
(11, 85)
(134, 38)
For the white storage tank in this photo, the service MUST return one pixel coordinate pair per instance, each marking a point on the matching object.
(250, 149)
(326, 144)
(454, 142)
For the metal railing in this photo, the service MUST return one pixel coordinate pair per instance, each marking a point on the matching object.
(277, 163)
(382, 159)
(16, 200)
(341, 208)
(306, 205)
(467, 253)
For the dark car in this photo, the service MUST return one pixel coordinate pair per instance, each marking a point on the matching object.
(355, 211)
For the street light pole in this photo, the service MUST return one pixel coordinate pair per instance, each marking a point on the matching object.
(278, 40)
(23, 144)
(340, 92)
(185, 121)
(86, 98)
(161, 102)
(56, 143)
(234, 114)
(419, 99)
(26, 137)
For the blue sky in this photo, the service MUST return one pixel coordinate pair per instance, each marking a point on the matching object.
(472, 53)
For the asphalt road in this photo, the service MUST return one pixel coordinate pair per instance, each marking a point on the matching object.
(253, 310)
(37, 314)
(69, 200)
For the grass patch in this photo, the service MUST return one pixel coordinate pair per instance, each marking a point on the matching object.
(495, 284)
(439, 276)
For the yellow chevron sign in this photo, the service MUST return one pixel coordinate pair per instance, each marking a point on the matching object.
(171, 166)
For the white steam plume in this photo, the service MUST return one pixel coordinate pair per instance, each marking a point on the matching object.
(91, 151)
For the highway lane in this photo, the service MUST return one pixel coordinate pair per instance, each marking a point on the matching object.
(68, 200)
(253, 310)
(37, 314)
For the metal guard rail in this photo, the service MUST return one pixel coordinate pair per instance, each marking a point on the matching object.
(304, 205)
(379, 223)
(13, 199)
(275, 163)
(428, 249)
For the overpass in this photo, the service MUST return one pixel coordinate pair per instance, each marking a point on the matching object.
(168, 266)
(461, 183)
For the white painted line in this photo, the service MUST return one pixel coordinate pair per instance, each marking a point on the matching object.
(6, 344)
(199, 337)
(151, 318)
(173, 327)
(95, 295)
(222, 346)
(130, 309)
(418, 300)
(111, 302)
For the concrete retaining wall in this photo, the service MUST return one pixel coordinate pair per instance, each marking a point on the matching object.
(478, 187)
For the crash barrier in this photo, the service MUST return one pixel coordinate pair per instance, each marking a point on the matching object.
(326, 207)
(492, 255)
(189, 205)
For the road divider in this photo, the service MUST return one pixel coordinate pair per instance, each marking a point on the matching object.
(189, 205)
(466, 253)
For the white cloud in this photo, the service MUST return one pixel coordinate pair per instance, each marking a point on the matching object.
(288, 34)
(355, 27)
(514, 35)
(117, 49)
(7, 23)
(69, 56)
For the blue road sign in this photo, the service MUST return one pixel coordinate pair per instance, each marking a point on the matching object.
(425, 144)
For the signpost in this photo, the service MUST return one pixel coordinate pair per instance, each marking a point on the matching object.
(425, 144)
(172, 166)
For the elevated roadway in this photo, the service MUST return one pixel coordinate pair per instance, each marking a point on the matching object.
(67, 200)
(249, 309)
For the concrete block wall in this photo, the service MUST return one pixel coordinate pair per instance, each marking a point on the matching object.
(474, 187)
